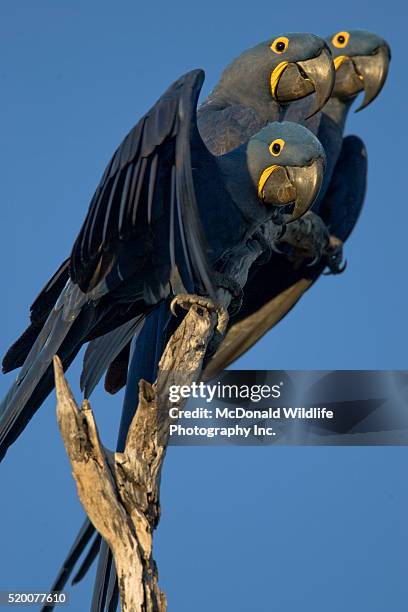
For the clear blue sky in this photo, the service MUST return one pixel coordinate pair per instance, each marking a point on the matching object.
(243, 529)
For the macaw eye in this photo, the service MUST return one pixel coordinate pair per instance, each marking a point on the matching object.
(341, 39)
(275, 148)
(280, 44)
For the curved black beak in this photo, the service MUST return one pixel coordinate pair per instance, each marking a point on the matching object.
(298, 80)
(372, 70)
(322, 73)
(307, 181)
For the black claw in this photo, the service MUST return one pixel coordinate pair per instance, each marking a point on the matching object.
(343, 267)
(335, 269)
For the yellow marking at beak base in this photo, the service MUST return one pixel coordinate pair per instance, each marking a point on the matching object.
(338, 61)
(276, 75)
(264, 177)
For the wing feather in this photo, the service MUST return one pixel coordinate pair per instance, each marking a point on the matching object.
(139, 179)
(152, 186)
(124, 198)
(124, 229)
(109, 213)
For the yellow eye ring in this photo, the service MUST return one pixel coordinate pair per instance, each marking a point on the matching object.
(276, 147)
(341, 39)
(280, 45)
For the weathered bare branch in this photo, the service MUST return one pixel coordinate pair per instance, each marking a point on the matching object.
(120, 494)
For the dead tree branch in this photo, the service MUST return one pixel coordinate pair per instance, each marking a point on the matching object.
(120, 492)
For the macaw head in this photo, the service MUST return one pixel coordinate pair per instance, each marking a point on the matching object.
(286, 163)
(278, 71)
(361, 60)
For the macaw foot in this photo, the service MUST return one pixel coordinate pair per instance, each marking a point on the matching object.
(334, 256)
(307, 238)
(186, 300)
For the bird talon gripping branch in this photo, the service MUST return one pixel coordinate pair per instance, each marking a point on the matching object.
(186, 300)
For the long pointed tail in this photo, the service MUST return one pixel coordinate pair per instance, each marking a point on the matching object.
(81, 541)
